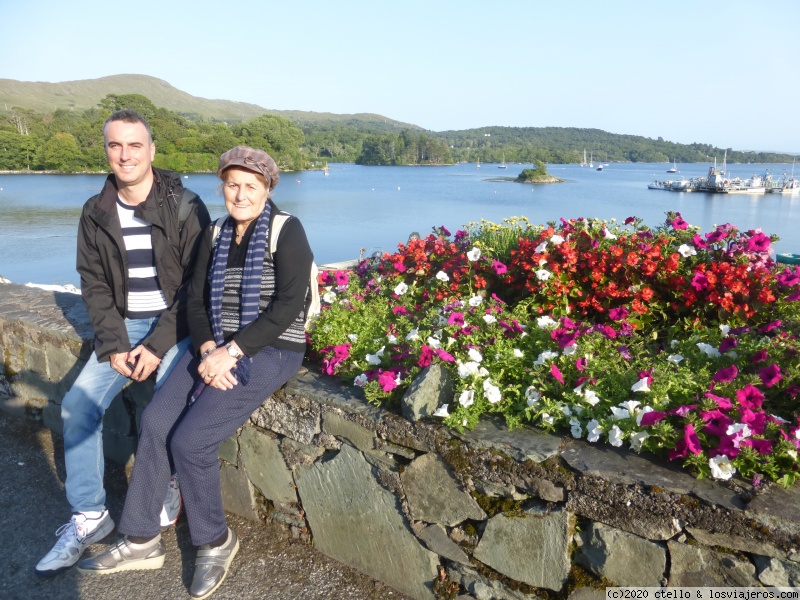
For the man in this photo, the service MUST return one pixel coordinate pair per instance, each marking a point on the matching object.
(136, 250)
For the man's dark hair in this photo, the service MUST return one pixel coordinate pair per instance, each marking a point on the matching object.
(129, 115)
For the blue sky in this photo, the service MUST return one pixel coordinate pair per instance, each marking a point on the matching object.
(723, 73)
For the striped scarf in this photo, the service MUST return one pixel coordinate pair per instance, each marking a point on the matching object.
(251, 286)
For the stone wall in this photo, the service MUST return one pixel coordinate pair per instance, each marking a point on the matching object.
(490, 513)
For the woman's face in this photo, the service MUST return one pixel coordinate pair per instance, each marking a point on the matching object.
(245, 194)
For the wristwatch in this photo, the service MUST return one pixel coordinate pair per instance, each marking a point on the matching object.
(234, 351)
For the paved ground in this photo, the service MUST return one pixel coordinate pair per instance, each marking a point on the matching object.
(33, 506)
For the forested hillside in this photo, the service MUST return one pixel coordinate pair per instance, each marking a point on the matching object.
(70, 140)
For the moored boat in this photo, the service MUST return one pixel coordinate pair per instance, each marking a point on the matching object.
(788, 258)
(659, 185)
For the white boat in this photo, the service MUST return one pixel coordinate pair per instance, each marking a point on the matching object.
(583, 164)
(600, 167)
(478, 166)
(659, 185)
(674, 168)
(591, 158)
(789, 186)
(326, 170)
(502, 165)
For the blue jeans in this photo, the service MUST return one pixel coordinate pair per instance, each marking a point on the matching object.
(82, 413)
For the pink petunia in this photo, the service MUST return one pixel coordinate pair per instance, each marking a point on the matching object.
(556, 372)
(769, 326)
(723, 403)
(716, 422)
(399, 310)
(445, 356)
(425, 356)
(750, 397)
(682, 410)
(699, 242)
(399, 267)
(756, 421)
(760, 446)
(564, 337)
(728, 445)
(689, 443)
(387, 380)
(580, 364)
(760, 356)
(758, 242)
(652, 417)
(770, 375)
(499, 267)
(726, 374)
(793, 297)
(456, 318)
(700, 281)
(624, 352)
(789, 277)
(678, 222)
(729, 343)
(342, 277)
(617, 314)
(716, 236)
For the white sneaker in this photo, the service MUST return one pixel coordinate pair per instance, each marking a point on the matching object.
(172, 503)
(73, 538)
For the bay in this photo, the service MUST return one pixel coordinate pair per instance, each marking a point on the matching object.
(356, 211)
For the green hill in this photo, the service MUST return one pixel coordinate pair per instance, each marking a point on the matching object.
(43, 97)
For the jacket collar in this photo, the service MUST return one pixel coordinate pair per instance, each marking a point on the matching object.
(167, 188)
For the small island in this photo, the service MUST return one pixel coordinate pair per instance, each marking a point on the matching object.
(538, 174)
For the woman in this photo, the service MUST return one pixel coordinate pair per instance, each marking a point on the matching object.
(246, 314)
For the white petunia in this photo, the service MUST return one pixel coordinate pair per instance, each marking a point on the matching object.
(674, 344)
(608, 235)
(474, 254)
(739, 428)
(591, 397)
(412, 335)
(518, 353)
(401, 288)
(556, 239)
(541, 248)
(637, 439)
(546, 322)
(360, 380)
(593, 430)
(532, 396)
(353, 337)
(492, 392)
(489, 319)
(725, 329)
(329, 297)
(476, 301)
(618, 413)
(467, 369)
(615, 436)
(547, 418)
(434, 342)
(543, 274)
(686, 250)
(392, 339)
(640, 386)
(575, 428)
(708, 350)
(442, 411)
(442, 276)
(544, 357)
(577, 409)
(375, 359)
(467, 398)
(721, 467)
(475, 355)
(570, 350)
(630, 405)
(565, 409)
(675, 358)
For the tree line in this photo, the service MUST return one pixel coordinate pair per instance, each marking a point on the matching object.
(71, 141)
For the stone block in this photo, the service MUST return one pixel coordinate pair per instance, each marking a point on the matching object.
(336, 425)
(621, 557)
(431, 388)
(237, 492)
(356, 521)
(265, 467)
(434, 494)
(229, 450)
(291, 421)
(696, 566)
(533, 548)
(777, 573)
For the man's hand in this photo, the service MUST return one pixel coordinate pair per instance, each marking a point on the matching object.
(120, 363)
(144, 361)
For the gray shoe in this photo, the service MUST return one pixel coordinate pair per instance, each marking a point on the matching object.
(73, 538)
(212, 566)
(126, 556)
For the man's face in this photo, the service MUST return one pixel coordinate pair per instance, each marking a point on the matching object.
(129, 151)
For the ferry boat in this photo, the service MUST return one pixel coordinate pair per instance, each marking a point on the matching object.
(659, 185)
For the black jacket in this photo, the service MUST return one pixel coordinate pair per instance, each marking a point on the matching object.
(103, 267)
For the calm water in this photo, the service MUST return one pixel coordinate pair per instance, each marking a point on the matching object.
(375, 208)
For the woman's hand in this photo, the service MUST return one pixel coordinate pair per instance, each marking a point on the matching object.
(215, 368)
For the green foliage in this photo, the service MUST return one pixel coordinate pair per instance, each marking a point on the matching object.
(403, 149)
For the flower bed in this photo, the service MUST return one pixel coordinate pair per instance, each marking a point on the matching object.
(666, 340)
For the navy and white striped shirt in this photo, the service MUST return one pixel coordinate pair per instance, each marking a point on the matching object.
(145, 297)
